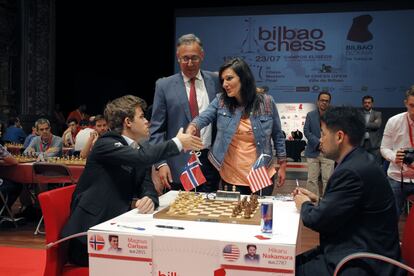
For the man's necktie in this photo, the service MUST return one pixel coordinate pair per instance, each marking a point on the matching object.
(193, 99)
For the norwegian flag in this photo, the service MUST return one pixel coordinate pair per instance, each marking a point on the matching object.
(96, 242)
(258, 177)
(192, 175)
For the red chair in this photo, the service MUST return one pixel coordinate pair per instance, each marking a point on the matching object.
(407, 250)
(55, 205)
(45, 173)
(407, 246)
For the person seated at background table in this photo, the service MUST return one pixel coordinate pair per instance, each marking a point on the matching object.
(86, 127)
(9, 189)
(100, 126)
(79, 114)
(117, 169)
(69, 136)
(46, 144)
(14, 132)
(2, 131)
(247, 122)
(30, 137)
(357, 212)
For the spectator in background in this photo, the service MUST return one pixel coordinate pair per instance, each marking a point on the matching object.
(317, 163)
(60, 119)
(171, 111)
(69, 136)
(87, 127)
(372, 136)
(29, 137)
(248, 126)
(398, 136)
(46, 144)
(2, 131)
(79, 114)
(10, 190)
(100, 127)
(14, 132)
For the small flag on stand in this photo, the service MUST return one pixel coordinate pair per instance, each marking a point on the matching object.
(258, 177)
(192, 176)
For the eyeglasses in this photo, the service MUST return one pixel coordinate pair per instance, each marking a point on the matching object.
(194, 59)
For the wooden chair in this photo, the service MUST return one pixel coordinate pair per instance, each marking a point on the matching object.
(55, 206)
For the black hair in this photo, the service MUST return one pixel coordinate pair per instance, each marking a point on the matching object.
(251, 245)
(324, 93)
(348, 119)
(366, 97)
(247, 85)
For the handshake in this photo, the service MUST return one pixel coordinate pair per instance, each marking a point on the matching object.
(189, 140)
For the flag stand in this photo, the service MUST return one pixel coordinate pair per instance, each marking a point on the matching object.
(260, 194)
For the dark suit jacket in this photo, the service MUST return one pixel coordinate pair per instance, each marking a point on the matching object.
(171, 111)
(312, 130)
(113, 175)
(356, 214)
(373, 127)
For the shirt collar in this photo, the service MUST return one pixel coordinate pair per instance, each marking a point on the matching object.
(128, 140)
(410, 121)
(345, 157)
(186, 79)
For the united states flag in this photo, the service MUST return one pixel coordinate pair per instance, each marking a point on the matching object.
(258, 177)
(231, 252)
(192, 176)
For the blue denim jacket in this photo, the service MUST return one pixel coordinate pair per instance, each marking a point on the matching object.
(265, 123)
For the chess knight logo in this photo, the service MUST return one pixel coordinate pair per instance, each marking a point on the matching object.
(359, 30)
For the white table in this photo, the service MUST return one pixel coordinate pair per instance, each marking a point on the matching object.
(197, 249)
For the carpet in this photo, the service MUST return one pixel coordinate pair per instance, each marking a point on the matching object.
(22, 261)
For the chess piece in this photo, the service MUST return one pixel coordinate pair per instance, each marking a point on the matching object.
(247, 212)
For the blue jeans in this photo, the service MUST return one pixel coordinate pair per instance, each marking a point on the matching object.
(401, 195)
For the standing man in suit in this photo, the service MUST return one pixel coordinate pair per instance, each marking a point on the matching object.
(372, 136)
(317, 163)
(118, 169)
(357, 213)
(175, 106)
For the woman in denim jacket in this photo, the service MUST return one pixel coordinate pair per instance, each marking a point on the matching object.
(247, 123)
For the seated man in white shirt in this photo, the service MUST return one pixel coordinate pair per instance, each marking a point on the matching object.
(83, 134)
(100, 127)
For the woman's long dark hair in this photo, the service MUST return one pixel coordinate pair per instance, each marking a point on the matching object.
(247, 85)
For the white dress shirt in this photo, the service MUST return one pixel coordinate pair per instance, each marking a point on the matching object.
(396, 137)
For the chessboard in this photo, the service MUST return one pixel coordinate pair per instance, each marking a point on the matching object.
(193, 207)
(24, 158)
(68, 160)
